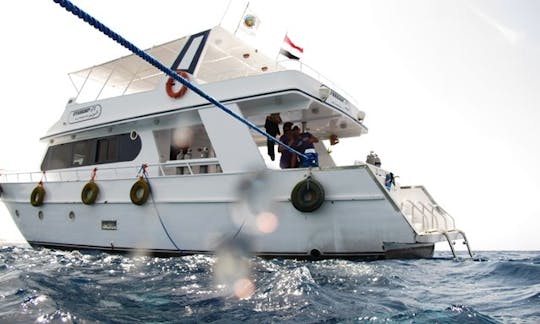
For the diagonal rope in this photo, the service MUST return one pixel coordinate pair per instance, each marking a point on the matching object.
(150, 59)
(145, 175)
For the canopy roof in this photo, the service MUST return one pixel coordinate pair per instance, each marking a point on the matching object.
(225, 57)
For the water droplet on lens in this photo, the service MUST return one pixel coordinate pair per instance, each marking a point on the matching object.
(244, 288)
(266, 222)
(231, 267)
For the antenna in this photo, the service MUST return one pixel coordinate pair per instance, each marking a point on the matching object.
(225, 12)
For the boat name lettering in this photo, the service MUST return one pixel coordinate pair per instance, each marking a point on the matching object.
(338, 100)
(85, 113)
(338, 96)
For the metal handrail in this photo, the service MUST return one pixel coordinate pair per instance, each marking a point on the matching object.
(442, 211)
(414, 207)
(434, 218)
(188, 163)
(303, 67)
(83, 173)
(433, 212)
(450, 242)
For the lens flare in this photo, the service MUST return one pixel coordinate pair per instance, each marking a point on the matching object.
(183, 137)
(244, 288)
(266, 222)
(231, 270)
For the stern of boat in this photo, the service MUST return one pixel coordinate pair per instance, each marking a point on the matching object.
(429, 220)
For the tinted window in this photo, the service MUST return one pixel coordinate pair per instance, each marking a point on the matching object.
(82, 153)
(107, 150)
(58, 157)
(118, 148)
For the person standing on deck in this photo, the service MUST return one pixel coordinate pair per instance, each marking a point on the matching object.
(272, 127)
(288, 158)
(303, 142)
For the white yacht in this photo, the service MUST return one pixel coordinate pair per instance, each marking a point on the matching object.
(139, 163)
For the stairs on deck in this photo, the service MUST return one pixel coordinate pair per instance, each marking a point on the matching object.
(432, 223)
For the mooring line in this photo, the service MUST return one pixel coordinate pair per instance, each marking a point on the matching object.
(145, 174)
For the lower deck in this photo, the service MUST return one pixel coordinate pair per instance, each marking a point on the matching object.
(197, 213)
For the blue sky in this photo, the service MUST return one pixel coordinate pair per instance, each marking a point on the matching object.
(450, 88)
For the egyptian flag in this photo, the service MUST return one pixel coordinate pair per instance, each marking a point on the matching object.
(290, 49)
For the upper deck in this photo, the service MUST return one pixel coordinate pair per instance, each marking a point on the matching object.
(223, 57)
(216, 55)
(221, 64)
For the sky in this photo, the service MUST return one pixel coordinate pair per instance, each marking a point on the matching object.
(451, 88)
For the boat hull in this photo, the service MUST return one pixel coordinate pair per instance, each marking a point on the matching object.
(201, 213)
(413, 251)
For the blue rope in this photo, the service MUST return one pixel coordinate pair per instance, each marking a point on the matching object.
(148, 58)
(145, 174)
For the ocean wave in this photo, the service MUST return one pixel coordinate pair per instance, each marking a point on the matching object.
(518, 272)
(51, 286)
(452, 314)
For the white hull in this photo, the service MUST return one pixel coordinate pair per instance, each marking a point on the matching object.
(357, 217)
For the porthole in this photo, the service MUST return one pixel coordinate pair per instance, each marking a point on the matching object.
(71, 215)
(133, 135)
(40, 215)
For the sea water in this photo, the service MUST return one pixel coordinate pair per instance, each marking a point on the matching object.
(42, 285)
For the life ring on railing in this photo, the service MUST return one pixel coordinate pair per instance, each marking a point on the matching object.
(308, 195)
(37, 195)
(139, 192)
(89, 193)
(170, 84)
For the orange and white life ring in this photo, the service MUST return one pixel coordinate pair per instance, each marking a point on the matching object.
(171, 82)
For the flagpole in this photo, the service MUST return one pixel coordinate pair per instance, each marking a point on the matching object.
(279, 51)
(225, 13)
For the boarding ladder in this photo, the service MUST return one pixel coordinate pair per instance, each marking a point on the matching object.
(430, 219)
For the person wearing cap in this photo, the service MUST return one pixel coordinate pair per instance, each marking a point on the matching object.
(288, 158)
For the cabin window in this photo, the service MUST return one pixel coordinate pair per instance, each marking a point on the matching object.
(118, 148)
(107, 150)
(184, 150)
(58, 157)
(82, 153)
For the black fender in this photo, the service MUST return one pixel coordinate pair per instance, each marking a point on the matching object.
(308, 195)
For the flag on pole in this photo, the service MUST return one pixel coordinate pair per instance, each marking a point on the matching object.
(249, 23)
(288, 41)
(290, 49)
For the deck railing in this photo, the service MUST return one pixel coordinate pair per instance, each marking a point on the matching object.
(302, 67)
(432, 218)
(168, 168)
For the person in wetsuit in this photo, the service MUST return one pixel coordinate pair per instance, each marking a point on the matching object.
(272, 127)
